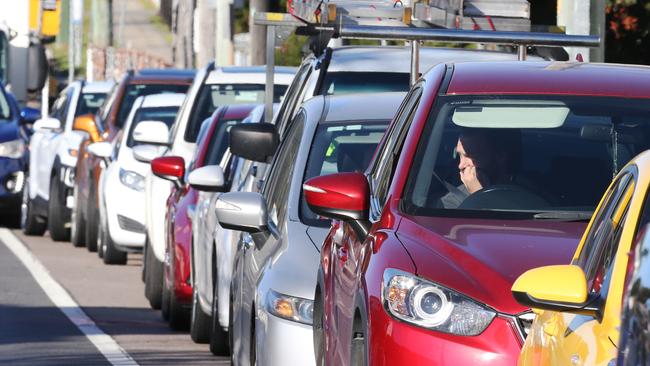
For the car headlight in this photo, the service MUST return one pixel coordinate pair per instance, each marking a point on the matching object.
(12, 149)
(132, 180)
(291, 308)
(430, 305)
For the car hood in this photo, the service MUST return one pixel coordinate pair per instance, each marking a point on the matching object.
(482, 258)
(8, 131)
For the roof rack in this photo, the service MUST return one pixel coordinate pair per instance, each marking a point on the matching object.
(504, 22)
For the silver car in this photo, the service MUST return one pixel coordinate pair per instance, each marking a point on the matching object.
(274, 275)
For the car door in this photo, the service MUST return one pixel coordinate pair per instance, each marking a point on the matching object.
(256, 249)
(46, 150)
(577, 339)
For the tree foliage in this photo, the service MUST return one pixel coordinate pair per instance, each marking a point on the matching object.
(627, 31)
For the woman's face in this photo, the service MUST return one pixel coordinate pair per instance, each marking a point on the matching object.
(465, 161)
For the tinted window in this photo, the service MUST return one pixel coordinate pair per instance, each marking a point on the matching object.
(162, 114)
(90, 103)
(5, 109)
(340, 148)
(133, 91)
(219, 142)
(491, 156)
(364, 82)
(215, 95)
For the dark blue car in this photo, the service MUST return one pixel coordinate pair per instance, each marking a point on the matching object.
(15, 129)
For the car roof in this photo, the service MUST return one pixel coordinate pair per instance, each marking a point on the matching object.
(162, 100)
(162, 75)
(98, 86)
(249, 75)
(352, 107)
(398, 59)
(559, 78)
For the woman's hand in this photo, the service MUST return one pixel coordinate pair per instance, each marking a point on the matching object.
(469, 177)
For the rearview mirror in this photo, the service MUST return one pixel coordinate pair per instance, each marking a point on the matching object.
(170, 168)
(242, 211)
(208, 178)
(151, 132)
(145, 153)
(557, 288)
(255, 141)
(29, 115)
(86, 123)
(101, 149)
(47, 123)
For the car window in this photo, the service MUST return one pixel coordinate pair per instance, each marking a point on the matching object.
(340, 147)
(133, 91)
(108, 105)
(89, 103)
(364, 82)
(522, 156)
(212, 96)
(5, 108)
(288, 108)
(162, 114)
(60, 106)
(276, 188)
(219, 142)
(598, 252)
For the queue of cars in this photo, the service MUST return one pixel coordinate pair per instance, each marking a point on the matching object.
(372, 221)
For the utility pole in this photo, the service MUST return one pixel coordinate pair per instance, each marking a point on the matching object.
(258, 33)
(597, 25)
(111, 39)
(224, 46)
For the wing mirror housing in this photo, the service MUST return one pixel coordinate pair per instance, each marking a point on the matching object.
(242, 211)
(208, 178)
(29, 115)
(151, 132)
(171, 168)
(101, 149)
(557, 288)
(47, 123)
(342, 196)
(145, 153)
(86, 123)
(254, 141)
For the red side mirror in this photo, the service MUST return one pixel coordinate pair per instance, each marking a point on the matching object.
(169, 167)
(344, 196)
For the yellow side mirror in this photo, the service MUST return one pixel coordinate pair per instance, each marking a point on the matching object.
(559, 288)
(86, 123)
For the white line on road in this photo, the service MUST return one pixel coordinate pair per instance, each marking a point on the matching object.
(106, 345)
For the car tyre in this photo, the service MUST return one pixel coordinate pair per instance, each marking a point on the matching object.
(165, 302)
(111, 255)
(57, 212)
(153, 278)
(29, 221)
(200, 322)
(78, 225)
(179, 316)
(92, 222)
(219, 340)
(318, 333)
(358, 345)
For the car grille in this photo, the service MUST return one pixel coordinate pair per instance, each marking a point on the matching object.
(130, 225)
(524, 321)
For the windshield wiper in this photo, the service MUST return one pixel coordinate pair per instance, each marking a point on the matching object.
(564, 215)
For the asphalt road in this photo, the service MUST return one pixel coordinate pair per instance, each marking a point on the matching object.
(35, 331)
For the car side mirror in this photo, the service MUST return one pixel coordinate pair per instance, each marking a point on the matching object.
(86, 123)
(151, 132)
(242, 211)
(342, 196)
(29, 115)
(47, 123)
(208, 178)
(556, 288)
(170, 168)
(254, 141)
(101, 149)
(145, 153)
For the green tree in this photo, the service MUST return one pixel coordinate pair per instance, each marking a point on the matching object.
(627, 38)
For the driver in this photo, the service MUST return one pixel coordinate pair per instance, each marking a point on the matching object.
(487, 157)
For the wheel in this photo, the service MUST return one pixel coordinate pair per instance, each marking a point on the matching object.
(153, 278)
(219, 340)
(110, 254)
(29, 221)
(57, 212)
(92, 222)
(143, 270)
(179, 317)
(200, 322)
(78, 224)
(318, 333)
(164, 305)
(358, 355)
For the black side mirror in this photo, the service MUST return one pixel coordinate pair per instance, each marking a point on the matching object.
(256, 141)
(29, 115)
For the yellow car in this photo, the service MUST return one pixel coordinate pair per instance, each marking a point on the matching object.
(578, 305)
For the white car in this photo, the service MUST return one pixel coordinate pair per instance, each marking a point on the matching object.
(53, 157)
(121, 187)
(212, 88)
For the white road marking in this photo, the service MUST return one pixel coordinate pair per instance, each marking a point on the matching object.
(105, 344)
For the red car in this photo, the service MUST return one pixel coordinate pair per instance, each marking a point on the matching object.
(488, 169)
(212, 144)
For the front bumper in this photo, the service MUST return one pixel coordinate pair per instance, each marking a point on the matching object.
(125, 215)
(12, 182)
(283, 342)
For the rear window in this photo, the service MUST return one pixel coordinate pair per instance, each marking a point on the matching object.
(213, 96)
(339, 148)
(133, 91)
(364, 82)
(523, 156)
(162, 114)
(89, 103)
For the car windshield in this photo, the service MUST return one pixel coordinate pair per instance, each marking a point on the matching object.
(364, 82)
(89, 103)
(521, 156)
(162, 114)
(133, 91)
(339, 148)
(212, 96)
